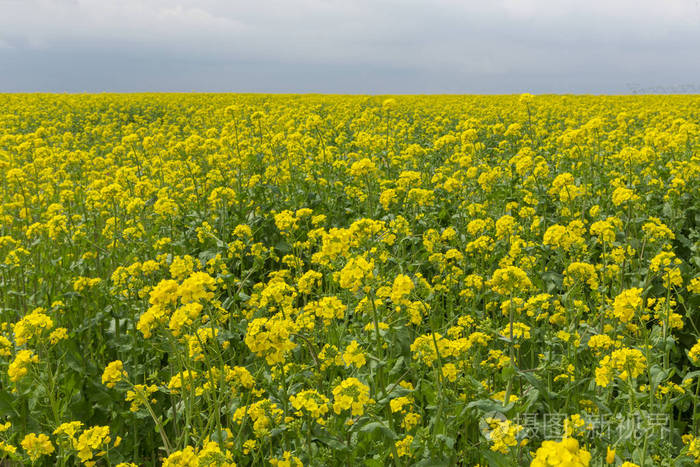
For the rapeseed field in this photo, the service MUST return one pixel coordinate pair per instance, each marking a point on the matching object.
(287, 280)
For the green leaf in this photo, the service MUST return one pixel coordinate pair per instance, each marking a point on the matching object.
(433, 462)
(384, 430)
(488, 405)
(448, 440)
(496, 459)
(6, 406)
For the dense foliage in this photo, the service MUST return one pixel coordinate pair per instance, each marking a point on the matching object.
(335, 280)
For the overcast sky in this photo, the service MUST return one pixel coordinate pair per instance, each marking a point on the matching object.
(350, 46)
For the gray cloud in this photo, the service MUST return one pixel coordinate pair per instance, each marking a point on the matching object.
(365, 46)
